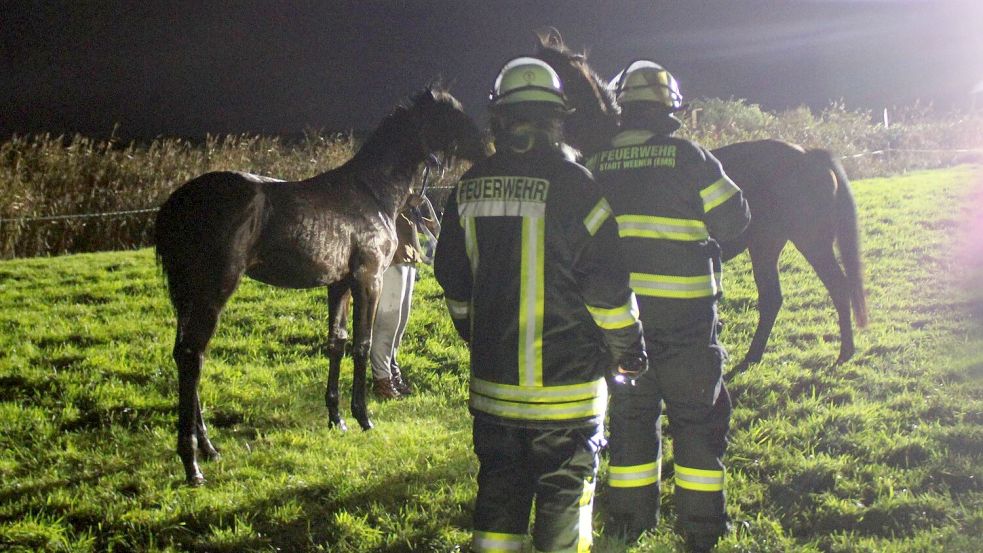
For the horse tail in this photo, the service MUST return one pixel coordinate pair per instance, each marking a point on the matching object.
(847, 233)
(169, 235)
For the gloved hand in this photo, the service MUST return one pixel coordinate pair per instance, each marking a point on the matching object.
(630, 368)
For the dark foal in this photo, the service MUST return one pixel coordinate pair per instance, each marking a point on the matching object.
(794, 195)
(335, 230)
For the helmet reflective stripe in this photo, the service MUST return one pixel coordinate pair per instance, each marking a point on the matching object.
(527, 79)
(647, 81)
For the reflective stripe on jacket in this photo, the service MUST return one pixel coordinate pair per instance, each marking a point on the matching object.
(669, 197)
(529, 264)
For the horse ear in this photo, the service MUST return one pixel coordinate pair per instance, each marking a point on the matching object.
(549, 37)
(426, 96)
(434, 88)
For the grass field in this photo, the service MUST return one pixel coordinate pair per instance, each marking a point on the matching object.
(884, 453)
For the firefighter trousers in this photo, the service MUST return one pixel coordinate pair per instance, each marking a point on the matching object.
(688, 378)
(554, 467)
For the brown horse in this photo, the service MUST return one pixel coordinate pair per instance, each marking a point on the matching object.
(794, 195)
(335, 229)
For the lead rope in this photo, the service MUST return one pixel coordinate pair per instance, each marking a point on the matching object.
(430, 162)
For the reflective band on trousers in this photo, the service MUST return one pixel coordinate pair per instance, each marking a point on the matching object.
(586, 538)
(663, 228)
(597, 216)
(634, 476)
(615, 318)
(496, 542)
(700, 480)
(717, 193)
(670, 286)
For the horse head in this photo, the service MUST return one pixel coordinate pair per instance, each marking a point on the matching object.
(445, 127)
(595, 113)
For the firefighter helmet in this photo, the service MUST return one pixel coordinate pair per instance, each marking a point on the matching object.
(527, 79)
(647, 81)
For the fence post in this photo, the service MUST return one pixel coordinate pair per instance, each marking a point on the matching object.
(889, 149)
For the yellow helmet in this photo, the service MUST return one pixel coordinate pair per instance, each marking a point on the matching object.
(647, 81)
(527, 79)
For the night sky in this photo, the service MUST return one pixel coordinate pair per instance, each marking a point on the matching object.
(190, 68)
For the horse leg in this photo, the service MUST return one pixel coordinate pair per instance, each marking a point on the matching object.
(822, 259)
(198, 307)
(205, 446)
(339, 297)
(193, 333)
(764, 263)
(366, 300)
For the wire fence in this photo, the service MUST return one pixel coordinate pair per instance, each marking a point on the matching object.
(108, 214)
(97, 229)
(71, 216)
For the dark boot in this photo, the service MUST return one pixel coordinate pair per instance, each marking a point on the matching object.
(383, 389)
(399, 382)
(702, 542)
(699, 544)
(628, 527)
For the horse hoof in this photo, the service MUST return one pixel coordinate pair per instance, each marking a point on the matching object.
(365, 424)
(338, 424)
(846, 352)
(196, 480)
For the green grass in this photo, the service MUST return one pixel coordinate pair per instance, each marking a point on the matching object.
(880, 454)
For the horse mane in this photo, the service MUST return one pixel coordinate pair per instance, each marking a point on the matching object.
(401, 124)
(551, 49)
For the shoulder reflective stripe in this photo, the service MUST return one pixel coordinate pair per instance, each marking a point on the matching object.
(700, 480)
(539, 394)
(717, 193)
(670, 286)
(631, 138)
(470, 242)
(635, 476)
(618, 317)
(458, 309)
(572, 410)
(666, 228)
(597, 216)
(496, 542)
(532, 301)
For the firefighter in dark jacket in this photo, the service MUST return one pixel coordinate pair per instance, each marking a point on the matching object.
(671, 199)
(529, 266)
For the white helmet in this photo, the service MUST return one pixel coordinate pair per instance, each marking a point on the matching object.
(647, 81)
(527, 79)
